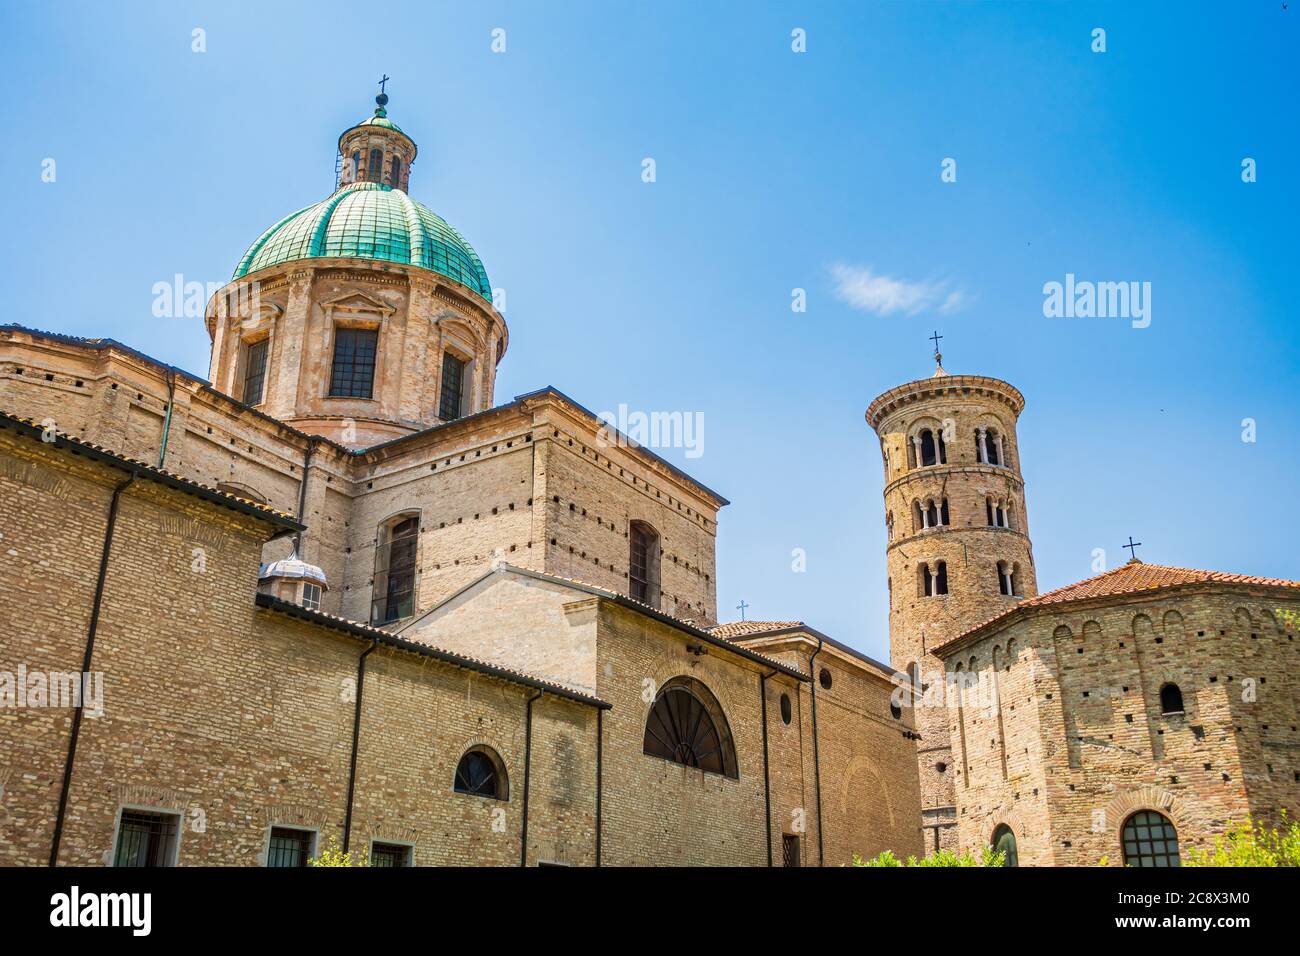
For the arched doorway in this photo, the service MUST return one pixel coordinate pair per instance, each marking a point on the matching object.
(1004, 841)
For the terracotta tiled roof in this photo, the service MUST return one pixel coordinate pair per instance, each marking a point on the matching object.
(1130, 578)
(57, 438)
(420, 646)
(621, 599)
(734, 629)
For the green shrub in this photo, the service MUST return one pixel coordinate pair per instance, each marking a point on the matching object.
(988, 857)
(332, 855)
(1250, 844)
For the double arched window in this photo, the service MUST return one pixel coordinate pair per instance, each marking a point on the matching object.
(932, 580)
(393, 590)
(481, 773)
(999, 512)
(686, 725)
(1148, 838)
(1008, 578)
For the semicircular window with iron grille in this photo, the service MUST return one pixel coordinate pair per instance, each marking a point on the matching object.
(687, 726)
(480, 774)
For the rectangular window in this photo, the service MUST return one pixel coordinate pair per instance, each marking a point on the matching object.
(289, 847)
(453, 387)
(789, 849)
(254, 371)
(395, 561)
(353, 375)
(390, 854)
(639, 558)
(146, 839)
(311, 596)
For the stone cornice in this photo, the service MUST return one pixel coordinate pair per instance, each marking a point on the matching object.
(940, 387)
(942, 472)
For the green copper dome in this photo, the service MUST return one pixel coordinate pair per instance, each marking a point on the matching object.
(367, 220)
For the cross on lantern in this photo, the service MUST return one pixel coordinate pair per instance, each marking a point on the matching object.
(383, 81)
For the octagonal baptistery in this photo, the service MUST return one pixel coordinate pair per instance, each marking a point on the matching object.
(362, 317)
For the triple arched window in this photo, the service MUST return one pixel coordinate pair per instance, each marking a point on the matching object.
(988, 446)
(999, 512)
(686, 725)
(928, 448)
(931, 513)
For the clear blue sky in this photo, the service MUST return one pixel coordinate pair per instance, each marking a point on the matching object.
(773, 168)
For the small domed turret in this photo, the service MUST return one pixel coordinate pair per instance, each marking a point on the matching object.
(292, 579)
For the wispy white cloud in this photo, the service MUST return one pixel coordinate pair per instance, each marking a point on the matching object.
(869, 291)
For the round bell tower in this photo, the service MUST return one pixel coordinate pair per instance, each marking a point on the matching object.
(958, 545)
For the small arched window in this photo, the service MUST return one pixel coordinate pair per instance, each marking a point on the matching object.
(941, 577)
(356, 165)
(395, 173)
(918, 517)
(686, 725)
(1004, 841)
(1149, 839)
(943, 512)
(931, 514)
(1171, 699)
(929, 450)
(643, 563)
(376, 168)
(786, 712)
(481, 773)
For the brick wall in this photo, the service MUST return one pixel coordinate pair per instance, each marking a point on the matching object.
(1088, 743)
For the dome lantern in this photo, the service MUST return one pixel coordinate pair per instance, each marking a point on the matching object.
(376, 151)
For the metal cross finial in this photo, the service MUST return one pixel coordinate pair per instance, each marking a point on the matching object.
(1132, 546)
(935, 338)
(741, 607)
(384, 81)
